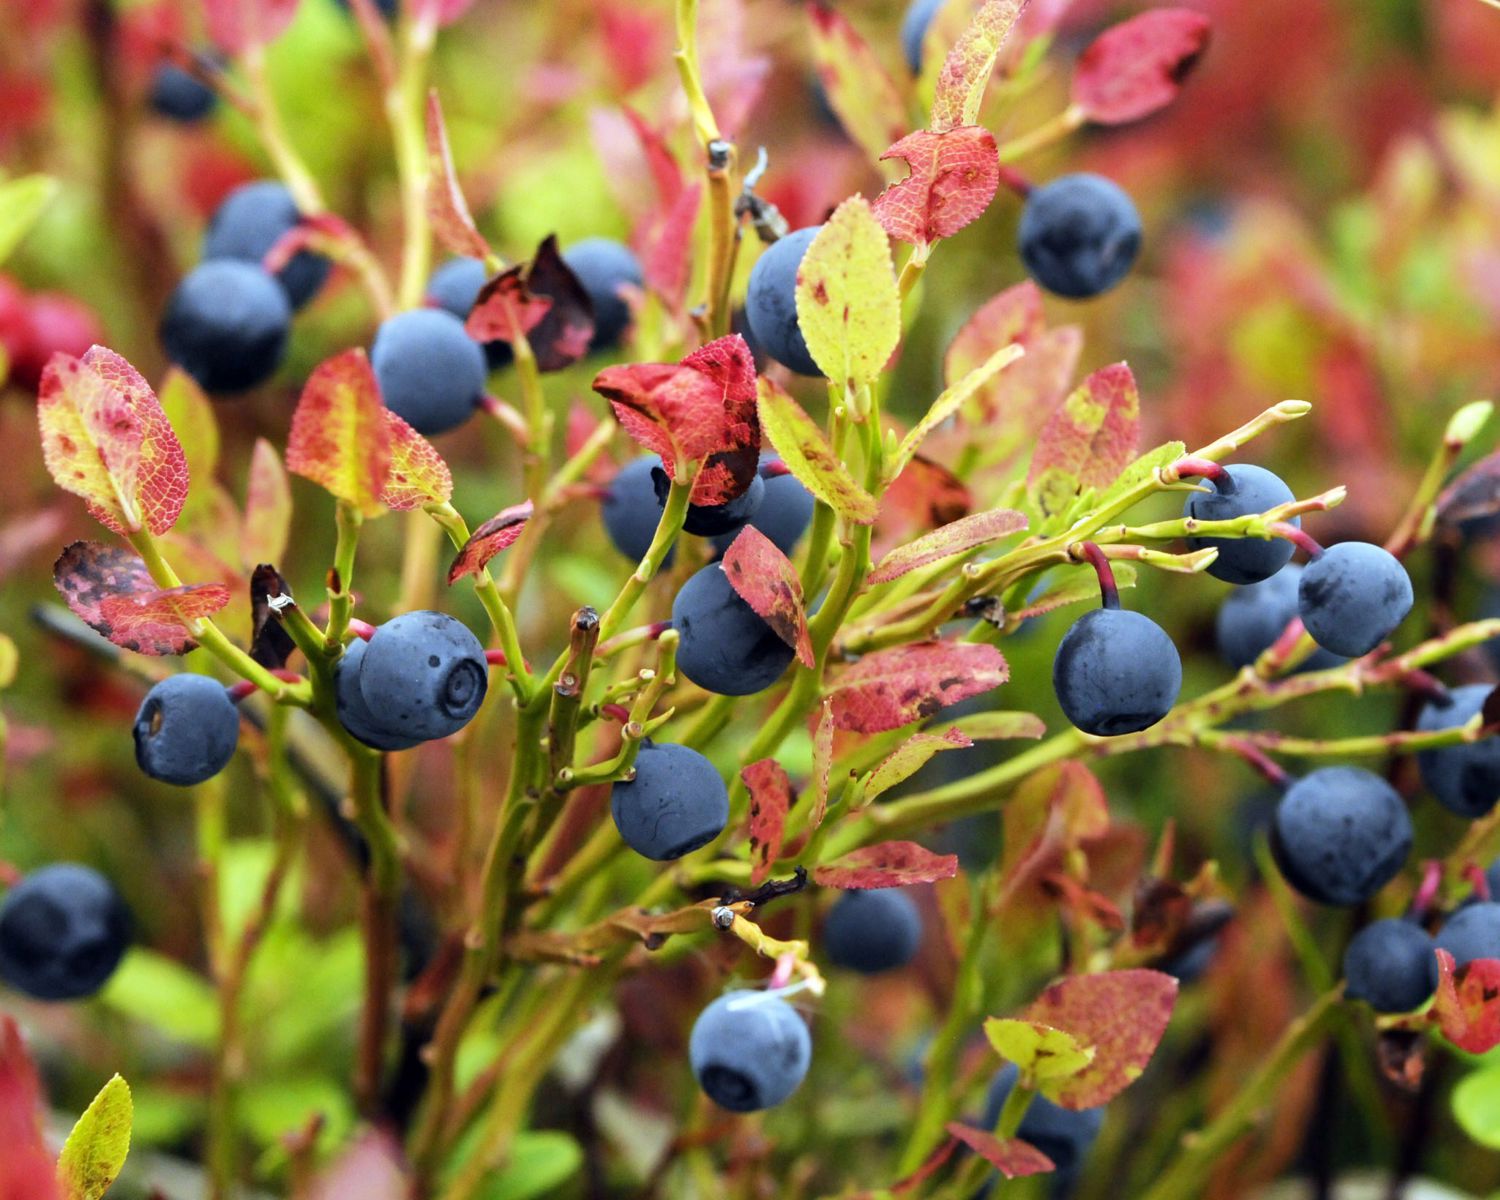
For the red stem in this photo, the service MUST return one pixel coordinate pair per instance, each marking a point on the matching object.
(1479, 879)
(361, 629)
(1427, 890)
(774, 469)
(615, 712)
(1427, 685)
(1015, 181)
(1269, 770)
(1205, 468)
(1109, 590)
(1302, 540)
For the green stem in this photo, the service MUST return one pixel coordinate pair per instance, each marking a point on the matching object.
(284, 157)
(674, 512)
(404, 107)
(341, 581)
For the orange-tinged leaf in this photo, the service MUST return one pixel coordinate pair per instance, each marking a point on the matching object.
(671, 410)
(505, 309)
(953, 178)
(967, 69)
(892, 688)
(858, 87)
(1139, 65)
(763, 578)
(1053, 809)
(730, 469)
(909, 758)
(236, 25)
(26, 1167)
(886, 864)
(808, 456)
(822, 762)
(417, 474)
(770, 800)
(848, 306)
(1121, 1015)
(1467, 1007)
(340, 439)
(926, 495)
(957, 537)
(268, 507)
(452, 223)
(110, 589)
(489, 539)
(1088, 441)
(106, 438)
(1012, 1157)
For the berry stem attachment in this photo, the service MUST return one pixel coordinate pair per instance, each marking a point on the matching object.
(1191, 466)
(1268, 769)
(1304, 541)
(1109, 590)
(1015, 181)
(1481, 882)
(1427, 891)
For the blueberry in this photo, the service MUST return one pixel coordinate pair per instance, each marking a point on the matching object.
(1116, 672)
(749, 1050)
(423, 675)
(714, 520)
(431, 372)
(386, 8)
(179, 95)
(455, 286)
(872, 931)
(1465, 779)
(1390, 965)
(771, 301)
(1062, 1134)
(1189, 965)
(1248, 489)
(1492, 877)
(251, 220)
(63, 931)
(726, 648)
(631, 511)
(186, 730)
(603, 266)
(1352, 596)
(358, 719)
(1340, 834)
(226, 325)
(1079, 235)
(676, 803)
(785, 511)
(1252, 617)
(1472, 932)
(914, 25)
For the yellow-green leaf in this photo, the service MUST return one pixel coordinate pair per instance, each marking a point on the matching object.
(1041, 1051)
(808, 456)
(22, 202)
(96, 1149)
(10, 659)
(949, 402)
(268, 508)
(848, 307)
(191, 415)
(967, 69)
(339, 438)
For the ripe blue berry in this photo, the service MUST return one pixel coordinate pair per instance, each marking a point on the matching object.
(251, 220)
(1116, 672)
(676, 803)
(749, 1050)
(1390, 965)
(180, 96)
(1079, 235)
(359, 720)
(726, 648)
(1252, 617)
(1340, 834)
(431, 372)
(1464, 779)
(1062, 1134)
(226, 325)
(63, 931)
(455, 286)
(771, 301)
(603, 266)
(714, 520)
(785, 512)
(914, 26)
(1472, 932)
(1352, 596)
(1248, 489)
(631, 511)
(186, 730)
(872, 931)
(423, 675)
(1189, 965)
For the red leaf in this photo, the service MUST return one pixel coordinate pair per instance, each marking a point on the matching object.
(439, 12)
(1121, 1014)
(452, 223)
(822, 763)
(1474, 495)
(1012, 1157)
(966, 71)
(665, 242)
(665, 173)
(561, 337)
(770, 800)
(26, 1168)
(1088, 441)
(966, 533)
(417, 474)
(236, 25)
(892, 688)
(110, 589)
(635, 43)
(730, 469)
(1054, 809)
(926, 495)
(340, 438)
(1139, 66)
(370, 1169)
(1468, 1003)
(671, 410)
(505, 309)
(857, 85)
(884, 865)
(489, 539)
(760, 573)
(953, 179)
(315, 233)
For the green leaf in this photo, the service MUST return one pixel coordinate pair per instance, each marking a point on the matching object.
(96, 1149)
(193, 420)
(10, 659)
(1466, 423)
(1041, 1051)
(1476, 1105)
(22, 202)
(808, 456)
(848, 307)
(271, 1109)
(539, 1161)
(1137, 471)
(165, 995)
(949, 402)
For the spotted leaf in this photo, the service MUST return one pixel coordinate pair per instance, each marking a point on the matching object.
(966, 71)
(958, 537)
(770, 800)
(886, 864)
(892, 688)
(808, 456)
(953, 178)
(417, 474)
(763, 578)
(489, 539)
(1087, 441)
(340, 439)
